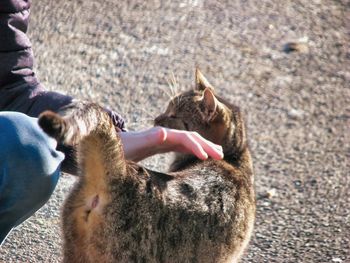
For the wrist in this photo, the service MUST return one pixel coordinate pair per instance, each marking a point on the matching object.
(140, 145)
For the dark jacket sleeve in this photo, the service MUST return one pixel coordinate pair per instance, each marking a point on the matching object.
(19, 87)
(20, 90)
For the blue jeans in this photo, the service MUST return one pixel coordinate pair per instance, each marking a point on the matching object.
(29, 169)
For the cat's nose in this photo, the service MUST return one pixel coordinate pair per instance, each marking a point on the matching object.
(158, 121)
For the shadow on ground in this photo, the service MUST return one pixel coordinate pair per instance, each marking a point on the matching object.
(296, 98)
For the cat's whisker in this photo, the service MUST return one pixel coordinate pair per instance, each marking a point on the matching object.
(150, 115)
(172, 90)
(142, 121)
(177, 87)
(179, 98)
(173, 84)
(146, 119)
(166, 92)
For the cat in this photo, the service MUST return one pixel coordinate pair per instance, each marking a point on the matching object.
(119, 211)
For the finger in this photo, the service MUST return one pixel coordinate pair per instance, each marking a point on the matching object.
(192, 142)
(193, 146)
(213, 150)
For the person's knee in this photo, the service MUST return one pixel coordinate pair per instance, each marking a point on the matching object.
(29, 167)
(24, 144)
(28, 153)
(41, 188)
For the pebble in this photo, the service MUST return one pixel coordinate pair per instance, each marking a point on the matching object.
(296, 47)
(337, 260)
(271, 193)
(295, 114)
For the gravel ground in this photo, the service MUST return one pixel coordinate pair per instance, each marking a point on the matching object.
(121, 53)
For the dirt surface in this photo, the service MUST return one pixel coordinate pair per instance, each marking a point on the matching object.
(120, 53)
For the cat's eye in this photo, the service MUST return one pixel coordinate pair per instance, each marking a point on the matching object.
(172, 116)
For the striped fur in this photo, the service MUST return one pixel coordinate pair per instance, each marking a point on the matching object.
(75, 121)
(119, 211)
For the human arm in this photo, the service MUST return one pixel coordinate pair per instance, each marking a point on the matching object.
(142, 144)
(20, 89)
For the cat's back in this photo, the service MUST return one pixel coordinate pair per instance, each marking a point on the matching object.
(205, 183)
(214, 203)
(203, 213)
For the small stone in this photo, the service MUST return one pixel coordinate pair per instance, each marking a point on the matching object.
(300, 47)
(271, 193)
(337, 260)
(297, 183)
(250, 95)
(295, 114)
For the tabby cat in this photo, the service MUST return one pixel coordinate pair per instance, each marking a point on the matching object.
(119, 211)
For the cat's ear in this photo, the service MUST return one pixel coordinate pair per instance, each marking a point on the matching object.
(210, 104)
(201, 82)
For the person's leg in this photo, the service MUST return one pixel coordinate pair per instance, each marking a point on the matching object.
(29, 169)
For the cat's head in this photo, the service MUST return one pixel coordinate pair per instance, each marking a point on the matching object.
(202, 111)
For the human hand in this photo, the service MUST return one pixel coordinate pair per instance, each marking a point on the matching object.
(140, 145)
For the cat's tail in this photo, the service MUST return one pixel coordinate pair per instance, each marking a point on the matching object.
(88, 126)
(75, 121)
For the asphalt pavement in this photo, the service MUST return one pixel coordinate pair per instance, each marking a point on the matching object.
(285, 63)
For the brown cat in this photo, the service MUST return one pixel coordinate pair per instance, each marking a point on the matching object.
(203, 211)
